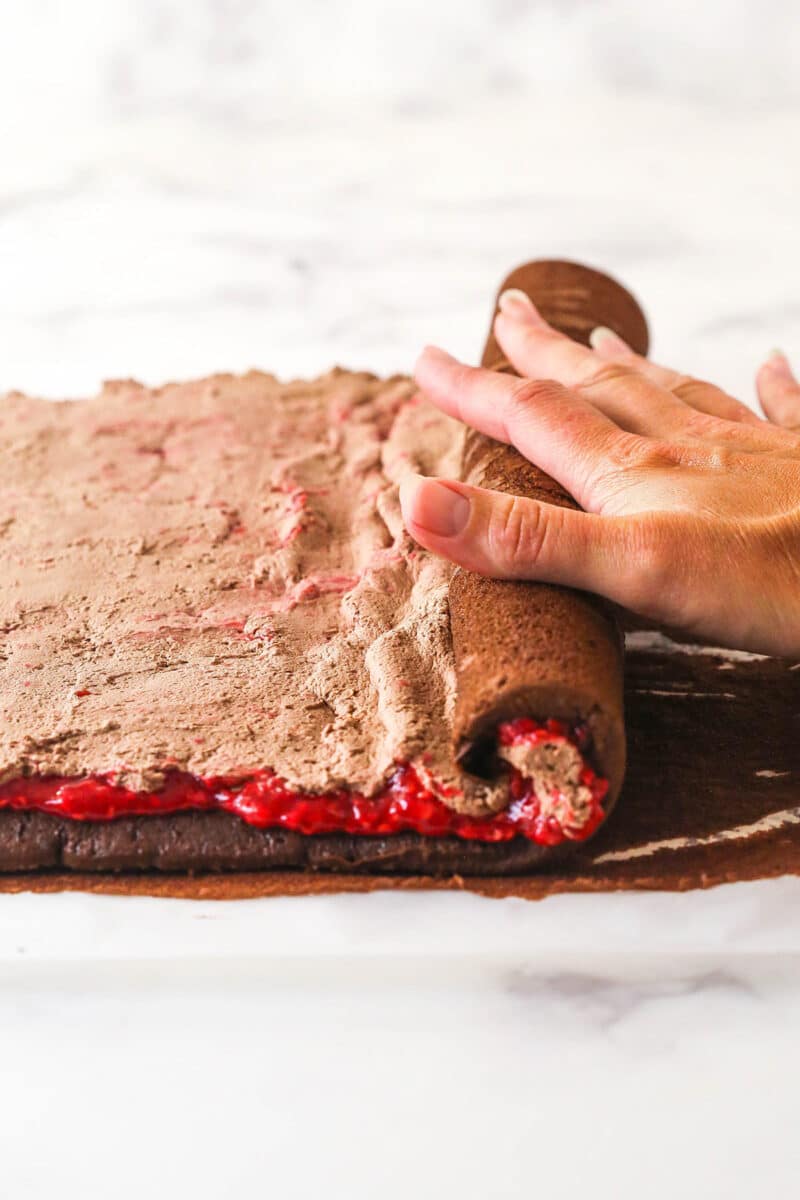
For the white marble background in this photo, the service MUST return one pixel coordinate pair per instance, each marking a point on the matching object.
(191, 186)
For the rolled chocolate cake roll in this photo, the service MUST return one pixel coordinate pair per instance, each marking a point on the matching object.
(534, 650)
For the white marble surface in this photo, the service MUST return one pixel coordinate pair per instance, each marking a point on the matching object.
(188, 187)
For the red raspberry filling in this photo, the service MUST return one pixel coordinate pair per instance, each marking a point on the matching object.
(404, 804)
(526, 807)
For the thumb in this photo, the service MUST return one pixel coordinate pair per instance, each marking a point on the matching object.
(510, 537)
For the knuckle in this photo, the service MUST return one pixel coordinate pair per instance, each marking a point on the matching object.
(528, 393)
(695, 423)
(629, 451)
(709, 402)
(729, 409)
(606, 373)
(711, 457)
(686, 387)
(723, 459)
(525, 396)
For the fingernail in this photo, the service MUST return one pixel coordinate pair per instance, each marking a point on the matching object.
(436, 352)
(431, 356)
(779, 363)
(437, 508)
(517, 305)
(605, 340)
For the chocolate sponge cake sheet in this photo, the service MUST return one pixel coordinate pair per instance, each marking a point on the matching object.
(212, 582)
(710, 797)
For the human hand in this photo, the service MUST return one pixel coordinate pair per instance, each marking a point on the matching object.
(692, 501)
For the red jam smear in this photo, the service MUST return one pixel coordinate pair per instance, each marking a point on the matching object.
(405, 803)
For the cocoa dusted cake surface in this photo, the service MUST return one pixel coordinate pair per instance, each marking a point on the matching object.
(214, 577)
(210, 602)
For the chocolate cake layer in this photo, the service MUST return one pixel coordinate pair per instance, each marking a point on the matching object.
(195, 841)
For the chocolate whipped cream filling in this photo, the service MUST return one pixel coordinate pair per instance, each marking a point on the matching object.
(196, 574)
(214, 578)
(556, 770)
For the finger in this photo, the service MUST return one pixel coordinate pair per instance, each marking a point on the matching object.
(703, 397)
(617, 388)
(740, 427)
(779, 391)
(509, 537)
(658, 410)
(626, 387)
(557, 430)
